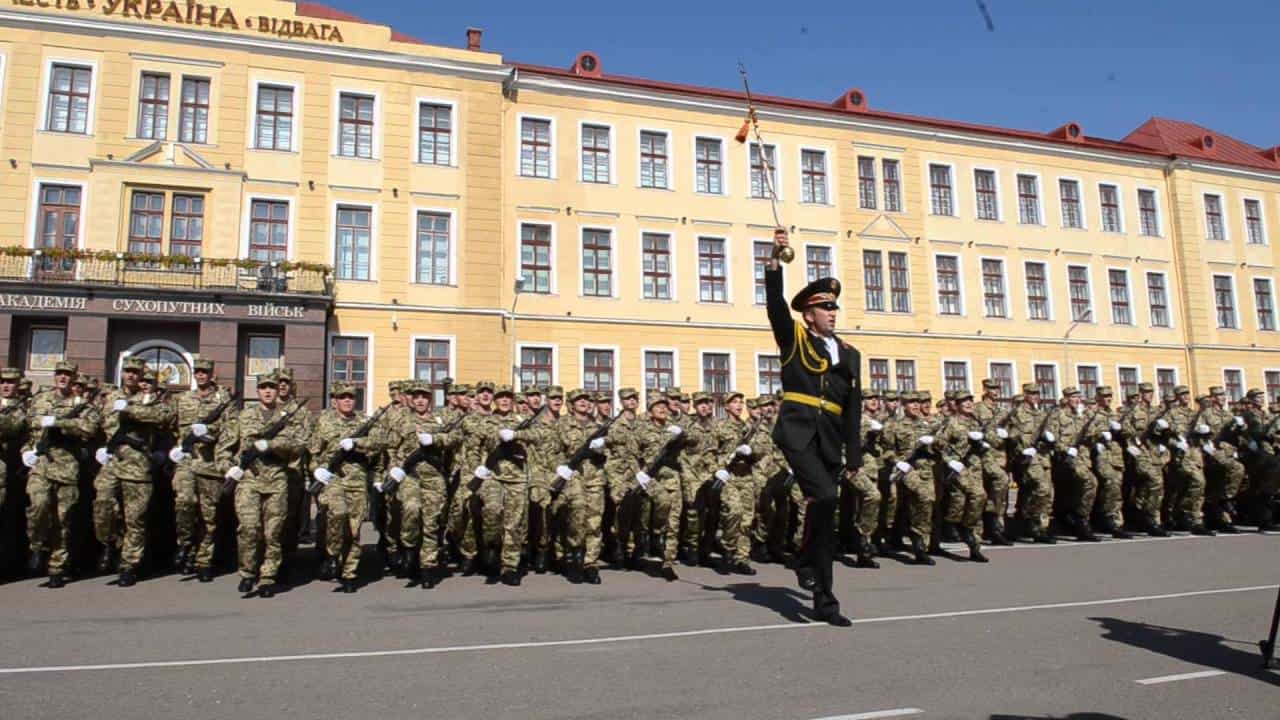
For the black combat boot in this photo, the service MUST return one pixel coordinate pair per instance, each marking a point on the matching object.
(1120, 533)
(511, 577)
(1154, 530)
(267, 591)
(348, 586)
(128, 577)
(591, 576)
(204, 575)
(246, 586)
(636, 558)
(57, 580)
(189, 567)
(329, 568)
(180, 557)
(1200, 529)
(540, 562)
(1084, 533)
(669, 573)
(394, 561)
(917, 549)
(693, 558)
(107, 560)
(862, 550)
(428, 578)
(742, 567)
(975, 548)
(35, 561)
(469, 567)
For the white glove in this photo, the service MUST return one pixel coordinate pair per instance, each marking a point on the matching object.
(102, 456)
(347, 444)
(119, 405)
(1030, 452)
(722, 475)
(565, 472)
(1134, 450)
(986, 445)
(1162, 424)
(643, 479)
(675, 430)
(975, 435)
(1202, 429)
(47, 421)
(1115, 425)
(176, 454)
(425, 439)
(483, 473)
(744, 450)
(506, 435)
(926, 440)
(323, 475)
(234, 473)
(903, 467)
(956, 465)
(596, 444)
(1239, 421)
(30, 458)
(875, 425)
(1002, 433)
(1162, 449)
(1073, 452)
(1049, 436)
(261, 445)
(1100, 448)
(199, 429)
(1106, 435)
(1208, 446)
(1182, 445)
(396, 474)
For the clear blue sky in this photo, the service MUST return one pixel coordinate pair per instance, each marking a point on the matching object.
(1109, 64)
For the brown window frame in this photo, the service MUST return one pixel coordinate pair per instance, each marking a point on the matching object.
(986, 191)
(1215, 227)
(275, 116)
(713, 286)
(180, 243)
(1048, 384)
(1072, 216)
(904, 375)
(159, 104)
(655, 282)
(592, 246)
(953, 380)
(866, 182)
(71, 96)
(899, 282)
(656, 160)
(536, 373)
(593, 371)
(717, 380)
(61, 211)
(1254, 232)
(1121, 300)
(757, 158)
(818, 269)
(1088, 386)
(432, 367)
(272, 251)
(146, 243)
(768, 374)
(532, 272)
(1233, 383)
(813, 177)
(1227, 319)
(1081, 301)
(891, 179)
(950, 301)
(535, 140)
(600, 155)
(361, 129)
(1148, 214)
(1162, 306)
(878, 373)
(1266, 309)
(199, 134)
(761, 256)
(355, 364)
(941, 195)
(658, 377)
(1128, 384)
(1028, 199)
(1039, 300)
(441, 136)
(708, 169)
(873, 280)
(993, 289)
(1109, 204)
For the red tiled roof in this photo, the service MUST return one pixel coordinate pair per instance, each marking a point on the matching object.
(1184, 139)
(324, 12)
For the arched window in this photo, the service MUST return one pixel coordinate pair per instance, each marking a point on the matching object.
(171, 363)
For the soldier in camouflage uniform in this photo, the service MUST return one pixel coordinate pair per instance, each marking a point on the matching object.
(261, 486)
(654, 443)
(386, 508)
(463, 527)
(544, 521)
(1078, 486)
(299, 468)
(773, 486)
(197, 479)
(908, 449)
(1144, 428)
(64, 422)
(735, 460)
(581, 500)
(1223, 470)
(1104, 433)
(995, 461)
(134, 418)
(961, 444)
(620, 468)
(695, 460)
(1031, 450)
(865, 484)
(1191, 434)
(13, 423)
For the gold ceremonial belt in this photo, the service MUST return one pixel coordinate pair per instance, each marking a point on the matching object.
(812, 401)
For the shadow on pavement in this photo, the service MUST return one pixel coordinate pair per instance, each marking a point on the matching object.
(1072, 716)
(789, 603)
(1190, 646)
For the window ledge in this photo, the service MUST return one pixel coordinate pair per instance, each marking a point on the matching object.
(1075, 229)
(654, 187)
(64, 133)
(700, 193)
(450, 285)
(990, 221)
(940, 215)
(335, 156)
(363, 281)
(660, 301)
(598, 184)
(444, 166)
(598, 297)
(273, 152)
(522, 176)
(818, 204)
(1041, 226)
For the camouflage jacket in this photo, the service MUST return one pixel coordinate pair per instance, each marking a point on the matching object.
(729, 434)
(571, 433)
(402, 441)
(1103, 436)
(621, 462)
(13, 424)
(648, 441)
(192, 407)
(267, 474)
(67, 439)
(954, 442)
(507, 461)
(137, 429)
(902, 439)
(350, 468)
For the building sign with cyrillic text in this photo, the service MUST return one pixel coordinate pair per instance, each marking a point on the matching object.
(158, 307)
(194, 14)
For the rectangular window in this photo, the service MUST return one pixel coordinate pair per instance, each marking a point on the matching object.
(653, 159)
(955, 375)
(768, 374)
(1166, 381)
(762, 255)
(712, 283)
(349, 363)
(262, 354)
(1148, 218)
(535, 148)
(1128, 381)
(993, 288)
(1120, 311)
(58, 226)
(1046, 378)
(1028, 200)
(435, 134)
(657, 266)
(716, 377)
(817, 262)
(536, 367)
(355, 125)
(659, 370)
(866, 182)
(194, 123)
(878, 372)
(597, 263)
(760, 184)
(905, 371)
(873, 280)
(1214, 228)
(69, 88)
(153, 106)
(1069, 196)
(535, 257)
(1224, 295)
(892, 186)
(709, 166)
(1253, 222)
(598, 371)
(433, 249)
(431, 364)
(352, 242)
(813, 177)
(1002, 373)
(1037, 291)
(1081, 297)
(940, 197)
(899, 283)
(268, 230)
(1158, 299)
(1087, 380)
(1264, 304)
(984, 186)
(1271, 378)
(146, 222)
(595, 154)
(48, 348)
(1233, 384)
(186, 227)
(274, 123)
(1109, 198)
(948, 284)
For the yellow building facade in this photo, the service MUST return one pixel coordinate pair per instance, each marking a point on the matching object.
(438, 212)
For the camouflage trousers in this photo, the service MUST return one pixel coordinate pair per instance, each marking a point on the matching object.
(1224, 475)
(421, 498)
(547, 517)
(49, 519)
(1080, 485)
(693, 485)
(866, 493)
(888, 501)
(505, 518)
(1184, 495)
(1111, 493)
(120, 515)
(628, 501)
(346, 506)
(1148, 487)
(737, 510)
(995, 482)
(1035, 494)
(261, 515)
(918, 495)
(586, 520)
(195, 505)
(966, 499)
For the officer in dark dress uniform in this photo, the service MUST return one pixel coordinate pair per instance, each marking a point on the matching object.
(818, 425)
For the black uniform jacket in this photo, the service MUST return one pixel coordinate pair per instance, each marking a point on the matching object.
(838, 437)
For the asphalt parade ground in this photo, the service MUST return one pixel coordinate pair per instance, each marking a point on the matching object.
(1148, 628)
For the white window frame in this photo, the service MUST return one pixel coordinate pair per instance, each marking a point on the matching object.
(551, 151)
(835, 257)
(3, 62)
(453, 245)
(1159, 212)
(995, 175)
(555, 266)
(613, 152)
(1004, 286)
(1168, 300)
(671, 157)
(1124, 224)
(828, 175)
(675, 368)
(673, 253)
(1084, 204)
(937, 299)
(1017, 194)
(455, 137)
(46, 82)
(955, 187)
(371, 377)
(33, 217)
(375, 151)
(1093, 306)
(520, 348)
(413, 353)
(1222, 209)
(1253, 292)
(613, 262)
(295, 131)
(1048, 290)
(617, 370)
(246, 221)
(728, 268)
(725, 173)
(1262, 219)
(733, 366)
(1097, 368)
(1235, 300)
(778, 173)
(942, 371)
(374, 219)
(1128, 289)
(755, 364)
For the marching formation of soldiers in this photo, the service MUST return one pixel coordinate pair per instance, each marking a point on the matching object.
(504, 482)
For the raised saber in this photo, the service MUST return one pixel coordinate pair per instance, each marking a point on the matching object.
(751, 126)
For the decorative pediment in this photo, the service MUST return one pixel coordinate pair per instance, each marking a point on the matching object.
(884, 228)
(172, 154)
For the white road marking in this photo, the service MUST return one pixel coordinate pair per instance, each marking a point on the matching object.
(610, 639)
(1180, 676)
(1066, 542)
(897, 712)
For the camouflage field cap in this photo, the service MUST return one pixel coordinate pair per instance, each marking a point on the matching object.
(1030, 389)
(267, 380)
(1182, 390)
(418, 387)
(555, 391)
(1104, 391)
(602, 398)
(702, 397)
(533, 390)
(627, 393)
(285, 374)
(962, 395)
(149, 375)
(673, 392)
(201, 363)
(1146, 387)
(500, 390)
(949, 395)
(10, 374)
(132, 362)
(82, 379)
(486, 386)
(656, 399)
(341, 389)
(69, 368)
(1217, 391)
(990, 384)
(1070, 391)
(868, 393)
(729, 396)
(891, 395)
(577, 394)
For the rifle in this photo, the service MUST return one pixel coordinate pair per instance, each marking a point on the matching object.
(582, 454)
(517, 454)
(250, 455)
(420, 453)
(46, 435)
(745, 439)
(189, 440)
(341, 456)
(122, 434)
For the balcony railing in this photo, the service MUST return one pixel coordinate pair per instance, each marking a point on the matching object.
(169, 272)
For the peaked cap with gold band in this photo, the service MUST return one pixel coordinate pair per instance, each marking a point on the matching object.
(819, 292)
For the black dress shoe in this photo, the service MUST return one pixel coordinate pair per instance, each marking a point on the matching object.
(669, 574)
(245, 586)
(57, 581)
(204, 575)
(511, 577)
(835, 619)
(591, 576)
(267, 591)
(806, 579)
